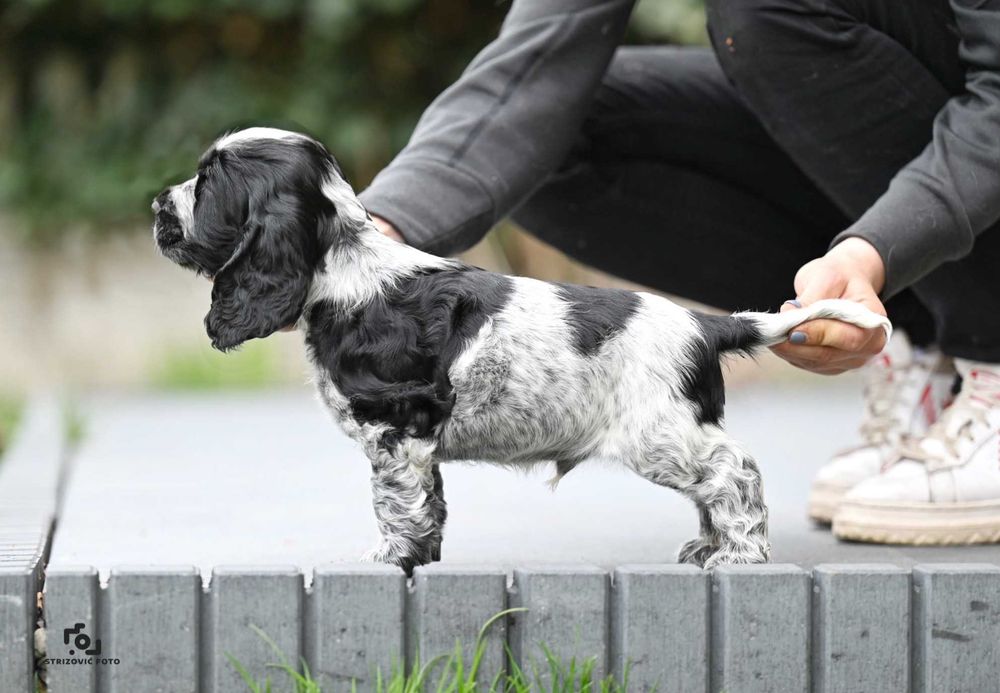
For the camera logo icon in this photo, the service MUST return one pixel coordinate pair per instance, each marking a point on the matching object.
(81, 641)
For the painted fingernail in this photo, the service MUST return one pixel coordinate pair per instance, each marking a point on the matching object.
(797, 338)
(795, 302)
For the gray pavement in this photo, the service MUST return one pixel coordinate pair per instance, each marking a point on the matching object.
(266, 478)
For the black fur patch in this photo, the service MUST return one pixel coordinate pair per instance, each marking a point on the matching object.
(239, 183)
(596, 314)
(391, 357)
(703, 381)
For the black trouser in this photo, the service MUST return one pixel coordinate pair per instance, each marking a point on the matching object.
(716, 176)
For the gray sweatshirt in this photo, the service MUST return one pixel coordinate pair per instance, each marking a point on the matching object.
(483, 145)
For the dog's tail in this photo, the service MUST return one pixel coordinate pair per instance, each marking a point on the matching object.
(748, 331)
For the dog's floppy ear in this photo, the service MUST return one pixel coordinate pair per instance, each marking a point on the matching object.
(263, 285)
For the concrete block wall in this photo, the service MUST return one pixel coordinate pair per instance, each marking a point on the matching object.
(30, 474)
(836, 628)
(746, 629)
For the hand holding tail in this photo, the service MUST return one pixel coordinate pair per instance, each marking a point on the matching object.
(851, 270)
(773, 329)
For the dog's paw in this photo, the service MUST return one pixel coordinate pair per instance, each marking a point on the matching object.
(696, 551)
(379, 554)
(731, 556)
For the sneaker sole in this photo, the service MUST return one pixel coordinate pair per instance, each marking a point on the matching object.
(919, 524)
(823, 502)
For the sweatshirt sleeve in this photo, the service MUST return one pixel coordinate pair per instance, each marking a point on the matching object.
(937, 205)
(485, 143)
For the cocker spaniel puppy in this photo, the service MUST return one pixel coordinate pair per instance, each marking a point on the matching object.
(425, 360)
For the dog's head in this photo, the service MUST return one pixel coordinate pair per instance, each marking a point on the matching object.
(256, 219)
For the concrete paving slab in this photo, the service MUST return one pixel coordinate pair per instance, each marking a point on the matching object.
(267, 478)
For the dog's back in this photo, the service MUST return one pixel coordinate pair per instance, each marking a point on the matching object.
(563, 372)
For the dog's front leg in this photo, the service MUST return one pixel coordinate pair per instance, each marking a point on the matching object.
(408, 508)
(438, 507)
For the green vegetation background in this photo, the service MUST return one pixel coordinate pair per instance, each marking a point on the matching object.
(102, 102)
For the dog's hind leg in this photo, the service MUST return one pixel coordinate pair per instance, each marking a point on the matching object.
(408, 496)
(660, 462)
(699, 549)
(730, 490)
(725, 484)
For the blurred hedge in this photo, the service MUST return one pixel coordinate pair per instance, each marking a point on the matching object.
(104, 101)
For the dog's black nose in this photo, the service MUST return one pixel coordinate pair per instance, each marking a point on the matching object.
(161, 201)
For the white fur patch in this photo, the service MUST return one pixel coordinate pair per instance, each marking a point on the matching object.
(183, 199)
(251, 134)
(357, 272)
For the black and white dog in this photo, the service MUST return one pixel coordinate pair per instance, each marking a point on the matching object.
(426, 360)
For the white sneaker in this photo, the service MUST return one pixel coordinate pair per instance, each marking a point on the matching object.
(906, 389)
(943, 488)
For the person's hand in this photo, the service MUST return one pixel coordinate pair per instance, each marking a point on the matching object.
(852, 270)
(386, 227)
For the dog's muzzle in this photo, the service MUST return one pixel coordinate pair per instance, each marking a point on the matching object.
(166, 226)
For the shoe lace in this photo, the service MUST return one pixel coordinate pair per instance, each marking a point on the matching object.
(960, 421)
(883, 380)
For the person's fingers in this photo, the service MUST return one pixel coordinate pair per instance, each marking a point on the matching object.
(838, 335)
(832, 371)
(813, 355)
(824, 357)
(817, 280)
(790, 304)
(869, 301)
(817, 369)
(819, 357)
(386, 227)
(824, 368)
(877, 342)
(863, 294)
(842, 366)
(822, 371)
